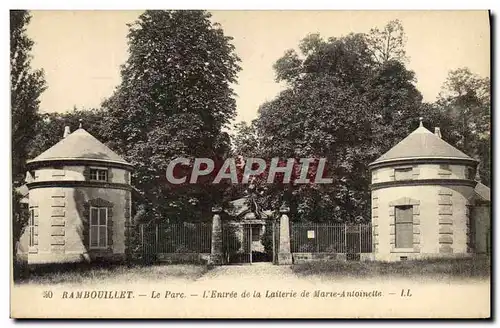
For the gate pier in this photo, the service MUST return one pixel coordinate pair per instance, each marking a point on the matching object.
(216, 257)
(284, 251)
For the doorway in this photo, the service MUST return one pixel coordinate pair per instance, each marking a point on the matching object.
(244, 243)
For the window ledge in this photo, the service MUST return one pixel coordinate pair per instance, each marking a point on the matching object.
(101, 250)
(33, 250)
(403, 250)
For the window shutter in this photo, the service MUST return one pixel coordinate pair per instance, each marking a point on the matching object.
(127, 208)
(35, 216)
(404, 214)
(94, 236)
(94, 216)
(404, 227)
(404, 235)
(469, 173)
(86, 223)
(110, 227)
(110, 174)
(86, 173)
(99, 211)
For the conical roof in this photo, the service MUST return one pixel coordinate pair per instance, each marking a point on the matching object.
(422, 144)
(79, 145)
(483, 192)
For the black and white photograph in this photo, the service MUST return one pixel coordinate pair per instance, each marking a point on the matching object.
(196, 164)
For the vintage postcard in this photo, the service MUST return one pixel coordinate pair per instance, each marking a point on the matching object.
(250, 164)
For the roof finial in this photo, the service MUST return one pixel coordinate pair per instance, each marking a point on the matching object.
(66, 131)
(421, 119)
(80, 120)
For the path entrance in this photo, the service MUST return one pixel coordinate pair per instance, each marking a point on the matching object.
(243, 243)
(259, 272)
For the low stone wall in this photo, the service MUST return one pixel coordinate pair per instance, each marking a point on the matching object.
(394, 257)
(367, 257)
(178, 258)
(308, 257)
(74, 257)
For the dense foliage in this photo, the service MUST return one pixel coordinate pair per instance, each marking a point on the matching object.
(50, 127)
(348, 99)
(344, 102)
(26, 86)
(174, 100)
(463, 110)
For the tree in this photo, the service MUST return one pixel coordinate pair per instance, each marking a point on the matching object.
(395, 105)
(321, 114)
(389, 43)
(345, 59)
(319, 120)
(174, 99)
(343, 105)
(244, 140)
(464, 108)
(26, 86)
(49, 127)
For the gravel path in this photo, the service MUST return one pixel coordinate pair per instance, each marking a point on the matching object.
(263, 270)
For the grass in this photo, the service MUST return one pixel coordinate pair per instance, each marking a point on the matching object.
(439, 268)
(86, 274)
(93, 274)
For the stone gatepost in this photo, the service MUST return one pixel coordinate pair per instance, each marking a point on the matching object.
(284, 252)
(216, 257)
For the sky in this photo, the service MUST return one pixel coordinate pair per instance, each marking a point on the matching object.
(81, 51)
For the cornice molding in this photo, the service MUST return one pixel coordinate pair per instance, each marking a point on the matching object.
(423, 182)
(410, 161)
(32, 165)
(77, 183)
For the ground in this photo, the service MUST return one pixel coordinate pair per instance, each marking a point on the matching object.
(258, 290)
(441, 269)
(115, 274)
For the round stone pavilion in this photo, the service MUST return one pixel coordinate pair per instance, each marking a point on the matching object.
(421, 199)
(79, 203)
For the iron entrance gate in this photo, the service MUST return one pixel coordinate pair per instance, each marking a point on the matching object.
(237, 243)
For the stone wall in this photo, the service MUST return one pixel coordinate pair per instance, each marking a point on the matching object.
(482, 220)
(62, 224)
(423, 171)
(439, 221)
(78, 173)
